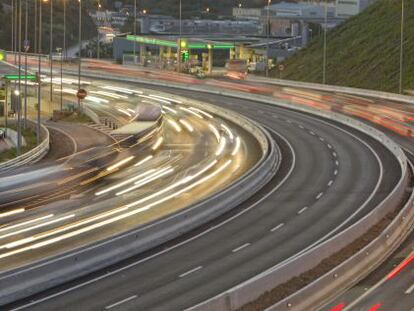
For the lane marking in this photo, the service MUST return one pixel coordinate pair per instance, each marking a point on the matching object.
(336, 172)
(277, 227)
(120, 302)
(334, 154)
(301, 126)
(329, 146)
(321, 138)
(302, 210)
(319, 196)
(409, 290)
(336, 163)
(330, 183)
(312, 133)
(191, 271)
(240, 248)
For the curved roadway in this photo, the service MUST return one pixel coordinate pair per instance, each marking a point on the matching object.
(332, 176)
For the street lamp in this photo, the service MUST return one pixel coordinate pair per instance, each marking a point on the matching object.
(324, 43)
(402, 48)
(179, 39)
(51, 51)
(268, 37)
(135, 29)
(98, 45)
(80, 51)
(64, 30)
(26, 49)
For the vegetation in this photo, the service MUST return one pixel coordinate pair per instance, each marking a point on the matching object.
(30, 138)
(77, 118)
(88, 28)
(362, 52)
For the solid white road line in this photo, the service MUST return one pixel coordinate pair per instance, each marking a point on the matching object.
(240, 248)
(277, 227)
(120, 302)
(302, 210)
(409, 290)
(191, 271)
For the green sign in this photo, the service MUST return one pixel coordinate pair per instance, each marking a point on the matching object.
(185, 56)
(184, 43)
(22, 77)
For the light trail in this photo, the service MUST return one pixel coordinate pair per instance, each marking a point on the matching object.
(158, 143)
(187, 125)
(228, 131)
(124, 112)
(237, 146)
(170, 109)
(166, 98)
(146, 159)
(109, 94)
(121, 90)
(126, 182)
(174, 125)
(221, 146)
(12, 212)
(120, 163)
(146, 180)
(156, 99)
(215, 131)
(21, 224)
(202, 112)
(192, 112)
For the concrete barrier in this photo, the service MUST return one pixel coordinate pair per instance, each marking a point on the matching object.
(33, 155)
(36, 277)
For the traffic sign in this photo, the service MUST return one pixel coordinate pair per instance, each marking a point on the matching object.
(2, 55)
(281, 67)
(26, 45)
(81, 94)
(13, 77)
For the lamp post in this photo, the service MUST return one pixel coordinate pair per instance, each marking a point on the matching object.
(51, 50)
(64, 30)
(59, 50)
(268, 37)
(179, 39)
(402, 48)
(80, 51)
(26, 49)
(324, 43)
(135, 29)
(12, 26)
(39, 82)
(19, 112)
(98, 45)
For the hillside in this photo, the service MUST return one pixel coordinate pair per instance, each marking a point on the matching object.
(362, 52)
(88, 28)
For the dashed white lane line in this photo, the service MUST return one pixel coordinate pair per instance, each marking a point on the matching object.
(312, 133)
(288, 121)
(120, 302)
(329, 146)
(336, 172)
(191, 271)
(240, 248)
(319, 196)
(336, 162)
(277, 227)
(321, 139)
(301, 126)
(334, 154)
(330, 183)
(409, 290)
(302, 210)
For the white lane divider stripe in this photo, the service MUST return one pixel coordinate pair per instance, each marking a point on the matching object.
(330, 183)
(409, 290)
(277, 227)
(302, 210)
(120, 302)
(336, 172)
(329, 146)
(336, 163)
(240, 248)
(319, 196)
(191, 271)
(334, 154)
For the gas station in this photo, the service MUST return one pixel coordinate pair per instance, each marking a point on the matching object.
(184, 52)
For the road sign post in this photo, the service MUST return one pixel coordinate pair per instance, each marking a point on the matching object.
(281, 68)
(81, 94)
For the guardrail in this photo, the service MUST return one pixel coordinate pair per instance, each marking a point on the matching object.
(33, 155)
(356, 267)
(255, 287)
(27, 280)
(333, 88)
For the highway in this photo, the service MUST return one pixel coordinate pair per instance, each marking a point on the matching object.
(332, 176)
(102, 191)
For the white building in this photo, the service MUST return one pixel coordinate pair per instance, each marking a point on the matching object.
(347, 8)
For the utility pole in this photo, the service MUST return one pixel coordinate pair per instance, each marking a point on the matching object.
(402, 48)
(51, 51)
(26, 48)
(135, 30)
(39, 82)
(12, 26)
(64, 29)
(179, 40)
(19, 112)
(268, 37)
(324, 43)
(80, 51)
